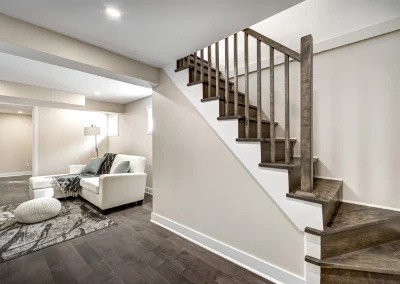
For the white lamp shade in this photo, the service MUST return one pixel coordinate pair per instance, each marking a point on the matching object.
(91, 131)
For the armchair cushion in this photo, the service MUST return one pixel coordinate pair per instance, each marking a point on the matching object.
(91, 184)
(122, 168)
(93, 166)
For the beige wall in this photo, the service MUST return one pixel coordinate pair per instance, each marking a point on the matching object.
(133, 138)
(199, 183)
(15, 143)
(61, 139)
(356, 100)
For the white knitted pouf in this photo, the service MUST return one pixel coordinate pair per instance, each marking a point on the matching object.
(37, 210)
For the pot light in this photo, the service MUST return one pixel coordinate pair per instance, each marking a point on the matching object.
(20, 112)
(97, 93)
(113, 12)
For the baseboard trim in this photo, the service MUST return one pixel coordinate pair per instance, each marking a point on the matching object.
(249, 262)
(149, 190)
(15, 174)
(371, 205)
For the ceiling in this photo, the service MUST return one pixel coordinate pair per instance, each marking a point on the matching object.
(324, 19)
(26, 71)
(155, 32)
(15, 109)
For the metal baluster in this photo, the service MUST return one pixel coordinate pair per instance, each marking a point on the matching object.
(272, 103)
(287, 112)
(226, 77)
(246, 73)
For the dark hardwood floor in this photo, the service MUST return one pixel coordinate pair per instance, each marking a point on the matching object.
(135, 251)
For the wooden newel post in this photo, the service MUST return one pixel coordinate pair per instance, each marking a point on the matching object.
(307, 175)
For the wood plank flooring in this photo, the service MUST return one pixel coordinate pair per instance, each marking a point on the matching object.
(136, 251)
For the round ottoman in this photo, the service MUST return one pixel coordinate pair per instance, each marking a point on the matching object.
(37, 210)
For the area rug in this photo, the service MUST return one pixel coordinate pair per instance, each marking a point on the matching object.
(76, 219)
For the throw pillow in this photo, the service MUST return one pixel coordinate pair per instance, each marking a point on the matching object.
(93, 166)
(122, 168)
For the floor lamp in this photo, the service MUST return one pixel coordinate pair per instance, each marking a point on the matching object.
(93, 131)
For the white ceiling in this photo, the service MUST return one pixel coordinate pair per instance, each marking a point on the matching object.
(15, 109)
(26, 71)
(152, 31)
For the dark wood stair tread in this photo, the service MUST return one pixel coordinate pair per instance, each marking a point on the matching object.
(294, 163)
(242, 117)
(383, 258)
(349, 216)
(292, 140)
(223, 99)
(326, 188)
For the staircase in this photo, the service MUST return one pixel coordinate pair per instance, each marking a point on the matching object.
(345, 243)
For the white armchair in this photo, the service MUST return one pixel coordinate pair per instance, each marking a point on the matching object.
(112, 190)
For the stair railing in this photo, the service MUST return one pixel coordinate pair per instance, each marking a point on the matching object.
(305, 57)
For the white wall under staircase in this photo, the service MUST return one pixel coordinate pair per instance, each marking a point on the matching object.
(215, 194)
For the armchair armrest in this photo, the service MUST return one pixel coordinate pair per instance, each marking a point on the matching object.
(118, 189)
(76, 169)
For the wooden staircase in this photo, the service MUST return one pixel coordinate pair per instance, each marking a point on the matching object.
(358, 244)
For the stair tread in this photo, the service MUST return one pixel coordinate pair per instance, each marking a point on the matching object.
(384, 258)
(221, 86)
(231, 117)
(263, 139)
(349, 216)
(326, 188)
(223, 99)
(294, 163)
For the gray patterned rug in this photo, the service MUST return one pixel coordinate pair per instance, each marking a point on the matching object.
(76, 219)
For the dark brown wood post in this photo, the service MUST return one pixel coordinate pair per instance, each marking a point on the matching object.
(259, 88)
(195, 67)
(246, 88)
(306, 114)
(217, 69)
(287, 112)
(226, 76)
(202, 64)
(235, 67)
(272, 102)
(209, 71)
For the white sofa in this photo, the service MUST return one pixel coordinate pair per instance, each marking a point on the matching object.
(106, 191)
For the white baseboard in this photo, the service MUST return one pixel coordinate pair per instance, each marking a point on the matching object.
(256, 265)
(15, 174)
(149, 190)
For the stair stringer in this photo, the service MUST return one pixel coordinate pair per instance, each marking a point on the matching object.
(274, 182)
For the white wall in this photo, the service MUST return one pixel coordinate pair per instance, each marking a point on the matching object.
(133, 138)
(61, 139)
(15, 143)
(200, 184)
(356, 97)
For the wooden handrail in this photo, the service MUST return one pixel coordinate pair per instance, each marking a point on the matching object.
(285, 50)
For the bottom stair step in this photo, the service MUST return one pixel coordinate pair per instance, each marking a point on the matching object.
(382, 259)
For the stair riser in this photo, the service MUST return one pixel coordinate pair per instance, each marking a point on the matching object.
(213, 79)
(342, 276)
(241, 109)
(279, 151)
(359, 238)
(253, 129)
(221, 93)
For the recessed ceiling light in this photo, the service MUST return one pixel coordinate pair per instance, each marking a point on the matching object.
(97, 93)
(113, 12)
(20, 112)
